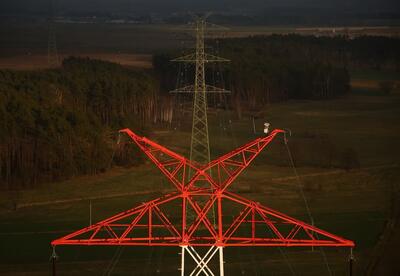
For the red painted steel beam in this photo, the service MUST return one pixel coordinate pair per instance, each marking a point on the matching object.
(142, 225)
(223, 234)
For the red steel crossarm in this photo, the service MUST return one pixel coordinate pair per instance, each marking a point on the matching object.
(150, 224)
(293, 232)
(238, 160)
(167, 222)
(309, 234)
(170, 167)
(201, 175)
(270, 224)
(305, 226)
(253, 148)
(137, 213)
(289, 239)
(237, 222)
(269, 218)
(111, 232)
(98, 226)
(253, 223)
(134, 222)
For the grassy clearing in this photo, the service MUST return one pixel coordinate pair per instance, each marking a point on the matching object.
(354, 204)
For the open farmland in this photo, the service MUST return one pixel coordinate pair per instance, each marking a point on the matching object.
(130, 44)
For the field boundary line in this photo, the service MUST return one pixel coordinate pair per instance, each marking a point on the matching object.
(62, 201)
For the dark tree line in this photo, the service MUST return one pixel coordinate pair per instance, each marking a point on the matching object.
(276, 68)
(264, 69)
(59, 123)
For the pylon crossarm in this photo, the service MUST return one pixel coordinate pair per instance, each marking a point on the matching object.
(201, 176)
(314, 234)
(170, 227)
(279, 229)
(237, 222)
(120, 229)
(132, 224)
(255, 225)
(174, 166)
(229, 166)
(95, 228)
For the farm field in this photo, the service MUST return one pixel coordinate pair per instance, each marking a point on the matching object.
(129, 44)
(358, 204)
(35, 62)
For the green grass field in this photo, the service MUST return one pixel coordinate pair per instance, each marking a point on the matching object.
(354, 204)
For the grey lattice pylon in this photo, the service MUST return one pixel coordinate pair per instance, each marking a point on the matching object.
(200, 145)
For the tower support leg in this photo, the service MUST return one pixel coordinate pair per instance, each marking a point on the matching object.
(201, 261)
(221, 260)
(183, 250)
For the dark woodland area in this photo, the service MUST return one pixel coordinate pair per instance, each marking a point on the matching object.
(265, 69)
(59, 123)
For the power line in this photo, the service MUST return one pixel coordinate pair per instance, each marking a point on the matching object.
(300, 186)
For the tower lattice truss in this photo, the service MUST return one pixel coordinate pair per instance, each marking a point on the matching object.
(200, 146)
(240, 221)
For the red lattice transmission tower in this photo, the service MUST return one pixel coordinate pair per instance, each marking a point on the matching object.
(164, 221)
